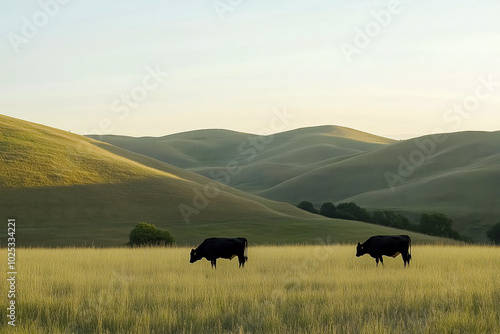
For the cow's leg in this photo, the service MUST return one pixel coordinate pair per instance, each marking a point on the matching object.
(381, 261)
(376, 260)
(214, 264)
(242, 261)
(405, 259)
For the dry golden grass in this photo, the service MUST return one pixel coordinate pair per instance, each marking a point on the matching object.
(289, 289)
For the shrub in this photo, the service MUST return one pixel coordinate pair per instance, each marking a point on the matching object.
(354, 210)
(328, 210)
(436, 224)
(439, 225)
(392, 219)
(145, 234)
(307, 206)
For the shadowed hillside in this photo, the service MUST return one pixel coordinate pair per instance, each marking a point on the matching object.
(65, 189)
(457, 175)
(259, 162)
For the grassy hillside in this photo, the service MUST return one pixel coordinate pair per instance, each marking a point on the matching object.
(65, 189)
(458, 176)
(186, 150)
(262, 161)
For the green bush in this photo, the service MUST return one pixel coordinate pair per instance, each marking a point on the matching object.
(436, 224)
(328, 210)
(351, 209)
(145, 234)
(307, 206)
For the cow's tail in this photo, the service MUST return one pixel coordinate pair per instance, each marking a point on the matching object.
(245, 251)
(409, 254)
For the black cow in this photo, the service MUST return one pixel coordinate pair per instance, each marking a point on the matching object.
(226, 248)
(388, 245)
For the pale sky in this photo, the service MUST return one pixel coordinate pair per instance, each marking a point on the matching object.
(395, 68)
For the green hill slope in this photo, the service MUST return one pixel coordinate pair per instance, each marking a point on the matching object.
(65, 189)
(261, 161)
(459, 177)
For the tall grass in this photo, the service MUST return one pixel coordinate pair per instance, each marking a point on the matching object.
(289, 289)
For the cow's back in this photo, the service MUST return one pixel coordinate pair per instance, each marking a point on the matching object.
(387, 244)
(222, 247)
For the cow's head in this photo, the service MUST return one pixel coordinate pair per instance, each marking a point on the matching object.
(360, 250)
(194, 256)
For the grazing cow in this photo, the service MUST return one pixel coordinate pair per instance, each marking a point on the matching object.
(388, 245)
(226, 248)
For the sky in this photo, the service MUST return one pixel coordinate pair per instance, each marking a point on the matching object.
(396, 68)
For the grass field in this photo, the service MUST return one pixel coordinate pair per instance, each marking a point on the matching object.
(287, 289)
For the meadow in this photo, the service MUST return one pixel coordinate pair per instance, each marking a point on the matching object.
(282, 289)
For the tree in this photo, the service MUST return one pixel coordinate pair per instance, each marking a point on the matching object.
(328, 210)
(380, 218)
(307, 206)
(402, 222)
(145, 234)
(436, 224)
(352, 209)
(390, 218)
(493, 233)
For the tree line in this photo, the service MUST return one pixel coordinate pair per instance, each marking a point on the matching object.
(436, 224)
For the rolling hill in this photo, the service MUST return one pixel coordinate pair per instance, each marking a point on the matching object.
(254, 163)
(64, 189)
(458, 174)
(459, 177)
